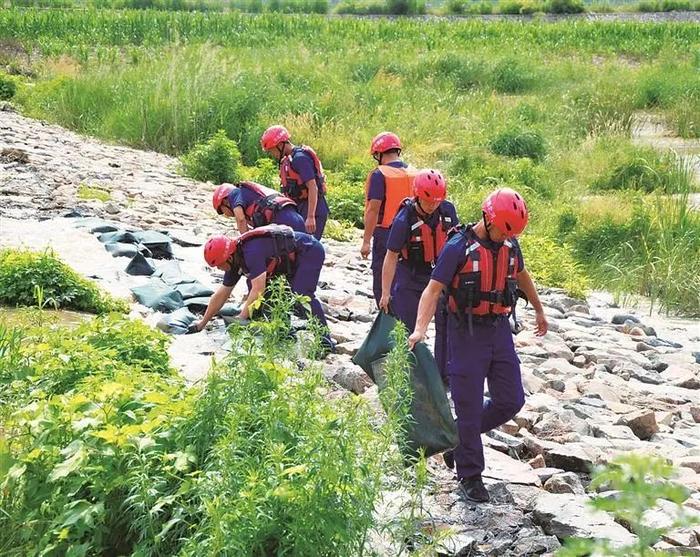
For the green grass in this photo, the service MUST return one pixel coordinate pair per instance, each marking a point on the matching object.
(93, 192)
(546, 108)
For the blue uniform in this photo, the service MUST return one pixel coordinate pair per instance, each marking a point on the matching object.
(303, 164)
(488, 354)
(302, 275)
(377, 191)
(244, 198)
(409, 282)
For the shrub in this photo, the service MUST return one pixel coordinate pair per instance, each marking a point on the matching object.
(517, 143)
(552, 264)
(647, 172)
(346, 200)
(22, 272)
(8, 88)
(510, 75)
(564, 7)
(217, 160)
(464, 72)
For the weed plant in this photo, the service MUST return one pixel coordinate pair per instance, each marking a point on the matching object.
(217, 160)
(22, 271)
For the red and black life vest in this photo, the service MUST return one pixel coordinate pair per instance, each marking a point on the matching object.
(266, 207)
(425, 243)
(486, 284)
(292, 184)
(285, 253)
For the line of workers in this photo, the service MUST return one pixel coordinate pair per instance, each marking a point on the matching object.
(424, 265)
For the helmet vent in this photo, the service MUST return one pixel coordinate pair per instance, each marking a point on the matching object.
(509, 227)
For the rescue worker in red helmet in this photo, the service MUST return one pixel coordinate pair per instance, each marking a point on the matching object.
(417, 235)
(254, 205)
(259, 255)
(386, 187)
(482, 267)
(301, 175)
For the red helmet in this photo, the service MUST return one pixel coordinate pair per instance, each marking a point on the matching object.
(429, 185)
(218, 250)
(221, 193)
(384, 141)
(272, 136)
(507, 210)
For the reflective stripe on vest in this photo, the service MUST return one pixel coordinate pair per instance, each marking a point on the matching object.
(426, 243)
(285, 248)
(493, 275)
(398, 186)
(262, 211)
(292, 185)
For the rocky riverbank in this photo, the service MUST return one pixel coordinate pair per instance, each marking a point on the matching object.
(604, 381)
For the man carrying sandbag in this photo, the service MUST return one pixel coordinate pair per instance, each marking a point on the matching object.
(482, 267)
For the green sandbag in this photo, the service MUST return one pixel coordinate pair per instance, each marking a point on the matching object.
(193, 290)
(433, 428)
(377, 344)
(159, 296)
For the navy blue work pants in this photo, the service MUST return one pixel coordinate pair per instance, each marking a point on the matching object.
(289, 216)
(487, 354)
(379, 239)
(305, 278)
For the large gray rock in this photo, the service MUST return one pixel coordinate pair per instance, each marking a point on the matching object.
(642, 423)
(502, 467)
(573, 457)
(552, 344)
(567, 482)
(628, 369)
(565, 516)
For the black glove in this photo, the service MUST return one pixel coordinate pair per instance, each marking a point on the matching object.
(192, 328)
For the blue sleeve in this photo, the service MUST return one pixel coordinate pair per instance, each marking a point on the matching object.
(303, 164)
(254, 258)
(231, 278)
(235, 198)
(377, 186)
(452, 211)
(519, 255)
(449, 261)
(400, 232)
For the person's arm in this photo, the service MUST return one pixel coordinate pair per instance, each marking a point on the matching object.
(257, 287)
(388, 271)
(371, 217)
(426, 310)
(528, 287)
(312, 189)
(216, 302)
(241, 221)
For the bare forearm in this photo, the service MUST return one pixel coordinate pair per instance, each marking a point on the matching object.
(389, 270)
(216, 302)
(313, 196)
(427, 306)
(371, 216)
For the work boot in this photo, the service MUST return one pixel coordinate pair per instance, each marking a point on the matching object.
(473, 489)
(449, 457)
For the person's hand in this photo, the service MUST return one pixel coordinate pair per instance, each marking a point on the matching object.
(415, 338)
(244, 315)
(195, 327)
(310, 224)
(541, 324)
(364, 250)
(384, 302)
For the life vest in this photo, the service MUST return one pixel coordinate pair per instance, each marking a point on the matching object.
(399, 186)
(285, 253)
(292, 185)
(486, 284)
(424, 244)
(262, 211)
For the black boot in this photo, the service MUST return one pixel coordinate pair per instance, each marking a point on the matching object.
(473, 489)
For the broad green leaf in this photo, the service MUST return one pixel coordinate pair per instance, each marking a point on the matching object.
(69, 465)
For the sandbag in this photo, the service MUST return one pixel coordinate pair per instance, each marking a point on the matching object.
(121, 236)
(377, 344)
(140, 266)
(177, 322)
(120, 249)
(171, 273)
(197, 305)
(433, 428)
(159, 296)
(159, 244)
(193, 290)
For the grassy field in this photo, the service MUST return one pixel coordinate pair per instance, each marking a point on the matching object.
(546, 108)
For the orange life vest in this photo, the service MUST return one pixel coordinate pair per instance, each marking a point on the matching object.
(487, 283)
(284, 258)
(424, 244)
(264, 209)
(399, 186)
(292, 185)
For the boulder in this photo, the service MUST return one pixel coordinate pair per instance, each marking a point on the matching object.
(551, 344)
(642, 423)
(682, 376)
(501, 467)
(573, 457)
(565, 515)
(546, 473)
(566, 482)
